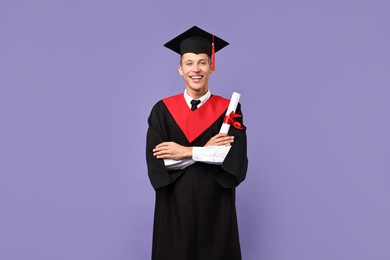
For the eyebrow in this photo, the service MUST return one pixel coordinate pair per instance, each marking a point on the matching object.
(193, 60)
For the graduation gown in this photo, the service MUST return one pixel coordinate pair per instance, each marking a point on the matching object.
(195, 214)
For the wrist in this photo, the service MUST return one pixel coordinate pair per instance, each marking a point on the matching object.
(189, 152)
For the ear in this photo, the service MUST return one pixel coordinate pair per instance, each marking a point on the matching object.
(180, 70)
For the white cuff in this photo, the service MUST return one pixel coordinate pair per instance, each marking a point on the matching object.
(210, 154)
(177, 164)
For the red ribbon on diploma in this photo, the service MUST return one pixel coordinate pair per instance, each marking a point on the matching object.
(231, 120)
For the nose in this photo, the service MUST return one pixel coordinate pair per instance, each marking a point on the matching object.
(196, 68)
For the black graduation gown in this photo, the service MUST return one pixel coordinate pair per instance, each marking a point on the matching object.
(195, 215)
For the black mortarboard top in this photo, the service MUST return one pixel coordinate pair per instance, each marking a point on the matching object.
(197, 41)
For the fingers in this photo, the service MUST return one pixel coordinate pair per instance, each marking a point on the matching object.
(224, 140)
(172, 150)
(162, 150)
(220, 135)
(164, 144)
(220, 140)
(162, 153)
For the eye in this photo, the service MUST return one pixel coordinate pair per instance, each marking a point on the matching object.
(203, 62)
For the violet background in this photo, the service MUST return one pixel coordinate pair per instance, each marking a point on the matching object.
(78, 80)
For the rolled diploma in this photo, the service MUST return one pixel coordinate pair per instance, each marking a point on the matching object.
(232, 107)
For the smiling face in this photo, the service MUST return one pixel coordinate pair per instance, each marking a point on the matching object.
(196, 70)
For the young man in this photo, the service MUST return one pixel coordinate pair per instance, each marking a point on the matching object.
(193, 168)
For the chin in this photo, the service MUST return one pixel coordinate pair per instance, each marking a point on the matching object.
(198, 88)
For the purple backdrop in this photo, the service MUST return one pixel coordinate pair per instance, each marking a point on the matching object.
(78, 80)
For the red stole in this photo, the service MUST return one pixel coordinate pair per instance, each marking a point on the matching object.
(194, 123)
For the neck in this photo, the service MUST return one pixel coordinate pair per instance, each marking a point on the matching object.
(196, 94)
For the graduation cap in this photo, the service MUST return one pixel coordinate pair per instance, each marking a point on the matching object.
(196, 40)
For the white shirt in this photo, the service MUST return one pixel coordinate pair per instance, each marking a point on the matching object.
(208, 154)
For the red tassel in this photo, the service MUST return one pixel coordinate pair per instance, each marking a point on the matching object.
(212, 55)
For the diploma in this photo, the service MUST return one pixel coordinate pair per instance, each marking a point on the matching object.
(232, 108)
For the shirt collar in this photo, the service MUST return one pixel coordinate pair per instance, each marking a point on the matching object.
(202, 99)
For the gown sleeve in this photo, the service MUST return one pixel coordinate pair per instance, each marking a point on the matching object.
(158, 174)
(234, 167)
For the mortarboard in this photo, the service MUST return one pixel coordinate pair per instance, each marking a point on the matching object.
(197, 41)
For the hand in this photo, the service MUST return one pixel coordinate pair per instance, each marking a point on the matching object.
(220, 140)
(172, 150)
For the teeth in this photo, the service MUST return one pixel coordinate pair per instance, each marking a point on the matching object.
(197, 77)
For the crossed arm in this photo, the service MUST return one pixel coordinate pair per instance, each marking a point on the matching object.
(175, 151)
